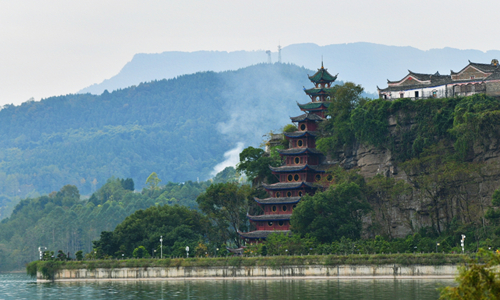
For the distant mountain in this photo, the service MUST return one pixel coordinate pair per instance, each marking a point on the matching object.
(367, 64)
(179, 128)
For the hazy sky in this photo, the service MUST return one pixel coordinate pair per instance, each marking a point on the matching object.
(56, 47)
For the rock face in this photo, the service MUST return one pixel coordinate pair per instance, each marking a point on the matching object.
(464, 198)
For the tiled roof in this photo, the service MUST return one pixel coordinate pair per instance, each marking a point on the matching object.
(288, 185)
(270, 217)
(322, 75)
(308, 116)
(261, 234)
(487, 68)
(298, 168)
(283, 200)
(297, 134)
(313, 105)
(296, 151)
(315, 91)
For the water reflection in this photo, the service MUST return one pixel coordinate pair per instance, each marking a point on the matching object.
(19, 286)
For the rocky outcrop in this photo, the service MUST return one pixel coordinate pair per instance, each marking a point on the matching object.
(409, 212)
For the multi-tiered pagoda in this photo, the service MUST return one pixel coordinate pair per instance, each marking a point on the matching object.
(304, 168)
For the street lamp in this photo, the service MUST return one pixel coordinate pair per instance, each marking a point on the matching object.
(437, 244)
(41, 252)
(187, 251)
(161, 246)
(462, 242)
(153, 252)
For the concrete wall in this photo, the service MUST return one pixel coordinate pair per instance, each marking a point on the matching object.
(341, 271)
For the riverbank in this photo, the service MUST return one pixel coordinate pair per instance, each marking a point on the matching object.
(434, 264)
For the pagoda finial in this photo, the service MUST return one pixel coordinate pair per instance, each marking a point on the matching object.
(322, 62)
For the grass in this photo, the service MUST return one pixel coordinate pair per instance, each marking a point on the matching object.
(49, 268)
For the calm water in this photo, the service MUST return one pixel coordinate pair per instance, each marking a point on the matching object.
(20, 286)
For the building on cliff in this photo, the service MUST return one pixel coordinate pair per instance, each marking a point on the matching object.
(475, 78)
(304, 169)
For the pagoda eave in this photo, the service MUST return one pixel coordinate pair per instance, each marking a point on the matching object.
(288, 186)
(287, 169)
(283, 200)
(275, 217)
(298, 151)
(261, 234)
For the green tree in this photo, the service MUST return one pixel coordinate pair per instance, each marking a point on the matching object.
(140, 252)
(338, 131)
(330, 215)
(153, 181)
(229, 174)
(226, 205)
(477, 280)
(255, 162)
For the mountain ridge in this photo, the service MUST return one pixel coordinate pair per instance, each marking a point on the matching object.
(368, 64)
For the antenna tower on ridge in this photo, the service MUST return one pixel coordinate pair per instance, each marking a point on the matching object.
(279, 54)
(268, 57)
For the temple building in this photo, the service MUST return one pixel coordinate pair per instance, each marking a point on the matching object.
(304, 169)
(475, 78)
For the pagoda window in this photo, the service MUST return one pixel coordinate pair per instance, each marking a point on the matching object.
(416, 94)
(300, 193)
(302, 127)
(274, 208)
(284, 208)
(290, 177)
(297, 160)
(296, 177)
(401, 95)
(317, 177)
(278, 194)
(294, 206)
(270, 223)
(281, 223)
(289, 194)
(329, 178)
(300, 143)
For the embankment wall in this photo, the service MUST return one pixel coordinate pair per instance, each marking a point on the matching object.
(249, 272)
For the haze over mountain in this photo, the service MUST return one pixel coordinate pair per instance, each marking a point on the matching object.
(179, 128)
(367, 64)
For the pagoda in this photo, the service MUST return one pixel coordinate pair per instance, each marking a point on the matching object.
(304, 169)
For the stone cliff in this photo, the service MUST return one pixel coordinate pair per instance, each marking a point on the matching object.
(407, 213)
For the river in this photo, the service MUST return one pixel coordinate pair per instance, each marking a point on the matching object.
(20, 286)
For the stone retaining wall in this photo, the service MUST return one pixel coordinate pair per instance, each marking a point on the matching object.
(341, 271)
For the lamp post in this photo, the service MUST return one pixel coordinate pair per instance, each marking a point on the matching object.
(187, 251)
(462, 243)
(437, 244)
(161, 246)
(41, 252)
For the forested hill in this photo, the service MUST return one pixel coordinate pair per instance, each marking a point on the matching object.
(179, 128)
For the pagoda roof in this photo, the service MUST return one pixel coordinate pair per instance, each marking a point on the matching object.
(316, 91)
(297, 168)
(308, 117)
(297, 134)
(322, 76)
(282, 200)
(288, 185)
(297, 151)
(314, 105)
(261, 234)
(275, 217)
